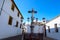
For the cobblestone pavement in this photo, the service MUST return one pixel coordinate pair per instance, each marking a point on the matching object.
(13, 38)
(20, 37)
(47, 38)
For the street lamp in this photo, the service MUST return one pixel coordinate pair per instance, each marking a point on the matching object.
(22, 29)
(36, 20)
(44, 21)
(28, 20)
(32, 18)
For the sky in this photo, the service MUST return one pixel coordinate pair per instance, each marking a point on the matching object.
(48, 9)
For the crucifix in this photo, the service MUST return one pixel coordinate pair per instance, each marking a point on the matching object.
(32, 18)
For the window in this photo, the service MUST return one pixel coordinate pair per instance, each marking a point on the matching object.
(20, 25)
(17, 24)
(49, 29)
(12, 7)
(10, 20)
(56, 28)
(18, 14)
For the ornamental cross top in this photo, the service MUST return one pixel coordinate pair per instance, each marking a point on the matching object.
(32, 17)
(32, 11)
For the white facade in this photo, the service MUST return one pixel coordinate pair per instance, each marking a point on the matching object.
(28, 29)
(51, 24)
(37, 28)
(7, 30)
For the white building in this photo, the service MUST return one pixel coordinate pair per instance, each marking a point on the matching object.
(27, 26)
(53, 28)
(37, 27)
(10, 17)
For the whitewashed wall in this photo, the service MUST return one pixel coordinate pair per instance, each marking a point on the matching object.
(28, 29)
(53, 34)
(7, 30)
(36, 29)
